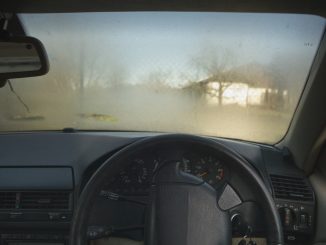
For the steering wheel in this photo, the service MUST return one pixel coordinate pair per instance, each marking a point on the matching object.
(183, 209)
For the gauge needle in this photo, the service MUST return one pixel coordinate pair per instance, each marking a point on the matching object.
(203, 174)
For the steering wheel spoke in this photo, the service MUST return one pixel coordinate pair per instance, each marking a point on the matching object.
(184, 211)
(227, 197)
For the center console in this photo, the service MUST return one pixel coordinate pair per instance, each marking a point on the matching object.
(295, 201)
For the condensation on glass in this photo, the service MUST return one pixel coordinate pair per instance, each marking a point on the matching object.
(220, 74)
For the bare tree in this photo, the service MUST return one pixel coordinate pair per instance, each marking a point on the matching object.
(157, 80)
(215, 67)
(76, 69)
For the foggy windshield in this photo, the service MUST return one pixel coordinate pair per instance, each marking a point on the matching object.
(221, 74)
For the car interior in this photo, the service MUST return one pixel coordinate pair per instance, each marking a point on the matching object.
(154, 122)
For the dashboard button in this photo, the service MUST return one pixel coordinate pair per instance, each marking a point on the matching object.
(63, 216)
(310, 220)
(54, 216)
(303, 219)
(291, 238)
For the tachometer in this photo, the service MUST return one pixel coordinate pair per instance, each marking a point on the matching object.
(135, 179)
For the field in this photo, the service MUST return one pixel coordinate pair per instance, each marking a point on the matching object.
(140, 109)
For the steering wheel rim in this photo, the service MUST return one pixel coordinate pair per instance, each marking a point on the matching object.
(115, 163)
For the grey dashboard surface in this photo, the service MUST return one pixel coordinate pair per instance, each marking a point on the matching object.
(36, 178)
(79, 150)
(48, 149)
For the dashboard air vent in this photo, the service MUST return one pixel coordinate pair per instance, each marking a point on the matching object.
(44, 200)
(40, 200)
(7, 200)
(292, 188)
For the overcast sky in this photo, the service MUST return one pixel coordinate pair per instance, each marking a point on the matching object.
(146, 42)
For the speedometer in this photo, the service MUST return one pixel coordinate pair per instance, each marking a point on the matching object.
(207, 167)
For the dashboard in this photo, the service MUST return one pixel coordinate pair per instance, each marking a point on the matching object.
(43, 173)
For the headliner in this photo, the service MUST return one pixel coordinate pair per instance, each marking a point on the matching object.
(316, 7)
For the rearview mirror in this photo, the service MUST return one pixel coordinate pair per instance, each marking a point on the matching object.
(22, 57)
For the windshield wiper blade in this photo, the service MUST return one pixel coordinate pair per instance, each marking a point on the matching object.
(26, 118)
(98, 117)
(69, 130)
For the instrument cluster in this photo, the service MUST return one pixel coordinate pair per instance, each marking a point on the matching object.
(136, 179)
